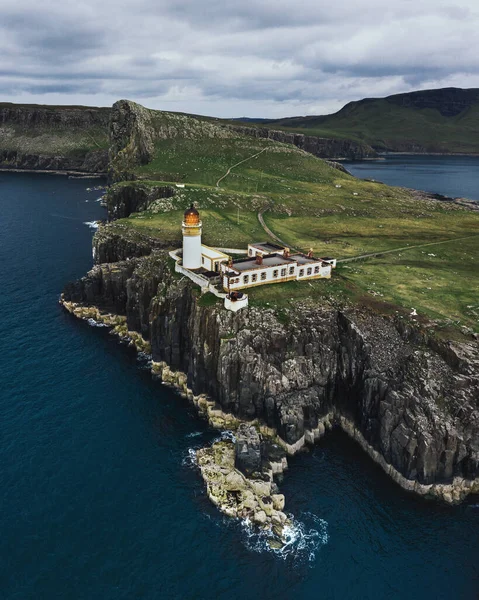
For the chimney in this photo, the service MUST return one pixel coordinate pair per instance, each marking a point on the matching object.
(310, 253)
(286, 253)
(259, 259)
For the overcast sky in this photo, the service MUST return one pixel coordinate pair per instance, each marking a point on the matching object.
(261, 58)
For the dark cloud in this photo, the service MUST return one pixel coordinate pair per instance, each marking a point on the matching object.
(224, 57)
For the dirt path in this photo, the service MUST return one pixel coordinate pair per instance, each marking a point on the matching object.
(268, 230)
(239, 163)
(374, 254)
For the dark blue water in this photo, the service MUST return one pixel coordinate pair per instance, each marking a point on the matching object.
(455, 176)
(98, 500)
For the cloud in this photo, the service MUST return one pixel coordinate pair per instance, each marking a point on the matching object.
(228, 58)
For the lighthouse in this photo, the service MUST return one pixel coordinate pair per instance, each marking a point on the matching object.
(191, 228)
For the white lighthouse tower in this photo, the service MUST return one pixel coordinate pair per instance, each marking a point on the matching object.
(191, 228)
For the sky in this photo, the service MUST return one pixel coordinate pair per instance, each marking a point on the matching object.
(234, 58)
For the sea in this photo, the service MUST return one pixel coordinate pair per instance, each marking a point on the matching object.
(454, 176)
(100, 496)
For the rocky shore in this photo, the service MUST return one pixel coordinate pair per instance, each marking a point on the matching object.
(407, 397)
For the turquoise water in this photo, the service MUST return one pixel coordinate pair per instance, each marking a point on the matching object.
(455, 176)
(99, 497)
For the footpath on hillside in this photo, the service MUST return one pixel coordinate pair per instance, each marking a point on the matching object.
(237, 164)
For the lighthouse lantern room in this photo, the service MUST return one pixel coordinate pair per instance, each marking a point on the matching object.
(191, 228)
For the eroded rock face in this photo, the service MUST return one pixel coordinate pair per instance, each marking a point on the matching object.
(410, 400)
(35, 137)
(321, 147)
(247, 449)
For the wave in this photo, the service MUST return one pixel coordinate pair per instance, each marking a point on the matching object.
(227, 434)
(94, 323)
(303, 538)
(190, 459)
(193, 434)
(91, 224)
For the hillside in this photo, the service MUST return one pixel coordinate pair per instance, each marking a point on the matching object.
(305, 202)
(430, 121)
(72, 138)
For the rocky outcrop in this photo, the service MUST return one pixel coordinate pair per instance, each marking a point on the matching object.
(115, 242)
(409, 399)
(321, 147)
(95, 161)
(35, 116)
(247, 449)
(241, 496)
(122, 200)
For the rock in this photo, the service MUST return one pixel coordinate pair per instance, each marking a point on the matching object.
(275, 544)
(248, 499)
(260, 488)
(260, 517)
(247, 449)
(408, 397)
(234, 481)
(278, 501)
(322, 147)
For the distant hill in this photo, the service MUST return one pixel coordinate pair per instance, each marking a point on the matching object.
(430, 121)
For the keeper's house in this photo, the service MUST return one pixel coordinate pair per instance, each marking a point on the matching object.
(269, 263)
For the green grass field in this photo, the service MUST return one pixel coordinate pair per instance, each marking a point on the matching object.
(308, 204)
(383, 124)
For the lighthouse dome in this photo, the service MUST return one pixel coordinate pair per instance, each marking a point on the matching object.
(192, 216)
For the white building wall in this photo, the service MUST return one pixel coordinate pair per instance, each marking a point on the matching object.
(263, 276)
(192, 251)
(317, 272)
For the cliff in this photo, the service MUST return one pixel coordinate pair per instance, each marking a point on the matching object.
(137, 133)
(321, 147)
(54, 138)
(409, 399)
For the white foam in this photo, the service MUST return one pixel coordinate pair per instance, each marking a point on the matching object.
(94, 323)
(225, 435)
(91, 224)
(190, 459)
(303, 539)
(194, 434)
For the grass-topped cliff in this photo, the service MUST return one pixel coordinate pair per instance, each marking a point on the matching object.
(235, 180)
(54, 137)
(435, 121)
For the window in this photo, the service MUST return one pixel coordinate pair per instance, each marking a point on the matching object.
(245, 278)
(283, 272)
(301, 272)
(254, 278)
(263, 275)
(275, 273)
(310, 270)
(250, 252)
(291, 270)
(202, 260)
(316, 269)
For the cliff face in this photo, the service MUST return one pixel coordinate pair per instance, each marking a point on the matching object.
(51, 138)
(321, 147)
(122, 200)
(410, 401)
(94, 161)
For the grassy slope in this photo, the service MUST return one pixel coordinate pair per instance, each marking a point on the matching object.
(64, 138)
(383, 124)
(306, 209)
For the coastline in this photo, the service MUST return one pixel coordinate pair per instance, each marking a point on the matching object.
(68, 173)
